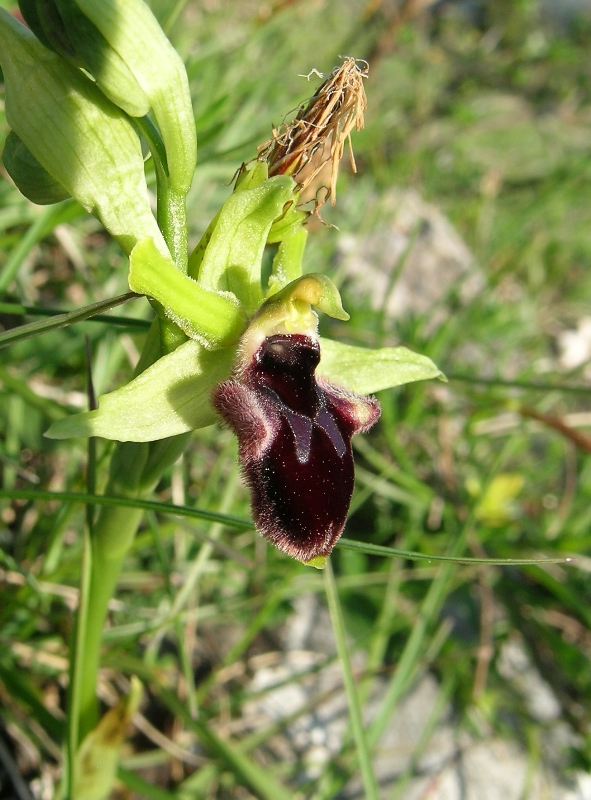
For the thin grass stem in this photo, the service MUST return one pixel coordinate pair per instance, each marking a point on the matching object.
(356, 721)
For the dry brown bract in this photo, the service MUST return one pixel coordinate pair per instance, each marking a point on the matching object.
(317, 135)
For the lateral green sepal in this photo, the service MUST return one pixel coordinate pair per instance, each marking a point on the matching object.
(365, 371)
(170, 397)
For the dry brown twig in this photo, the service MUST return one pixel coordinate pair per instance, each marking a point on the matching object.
(318, 134)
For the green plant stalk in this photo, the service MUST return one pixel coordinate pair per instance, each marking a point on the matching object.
(171, 215)
(171, 211)
(113, 535)
(134, 471)
(77, 658)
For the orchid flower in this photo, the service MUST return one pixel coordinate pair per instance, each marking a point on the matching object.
(255, 359)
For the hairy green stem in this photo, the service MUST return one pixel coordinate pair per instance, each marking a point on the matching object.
(171, 215)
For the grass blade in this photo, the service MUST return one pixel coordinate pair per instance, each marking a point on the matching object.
(245, 524)
(334, 606)
(61, 320)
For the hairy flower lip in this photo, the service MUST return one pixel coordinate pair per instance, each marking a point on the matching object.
(294, 434)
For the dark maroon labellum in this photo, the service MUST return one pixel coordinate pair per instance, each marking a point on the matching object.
(294, 436)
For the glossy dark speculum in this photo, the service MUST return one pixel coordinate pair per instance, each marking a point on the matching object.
(294, 435)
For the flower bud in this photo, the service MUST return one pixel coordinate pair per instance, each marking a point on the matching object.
(79, 137)
(61, 26)
(132, 32)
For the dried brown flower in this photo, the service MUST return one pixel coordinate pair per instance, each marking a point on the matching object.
(318, 133)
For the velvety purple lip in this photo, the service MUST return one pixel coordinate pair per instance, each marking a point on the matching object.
(294, 436)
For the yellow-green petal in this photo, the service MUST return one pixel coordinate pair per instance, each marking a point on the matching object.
(232, 259)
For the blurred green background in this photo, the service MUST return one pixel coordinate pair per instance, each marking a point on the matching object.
(466, 236)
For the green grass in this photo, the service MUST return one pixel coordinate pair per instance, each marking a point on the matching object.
(488, 120)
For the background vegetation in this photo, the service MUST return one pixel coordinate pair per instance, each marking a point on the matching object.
(484, 109)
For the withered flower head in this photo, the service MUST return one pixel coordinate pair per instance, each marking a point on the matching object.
(318, 134)
(294, 433)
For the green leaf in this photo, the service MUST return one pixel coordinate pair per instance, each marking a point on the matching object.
(82, 139)
(232, 258)
(211, 317)
(30, 177)
(366, 371)
(170, 397)
(133, 32)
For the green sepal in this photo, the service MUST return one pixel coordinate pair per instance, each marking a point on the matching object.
(291, 218)
(250, 178)
(170, 397)
(133, 32)
(287, 263)
(366, 371)
(30, 177)
(30, 9)
(232, 259)
(82, 139)
(213, 318)
(97, 759)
